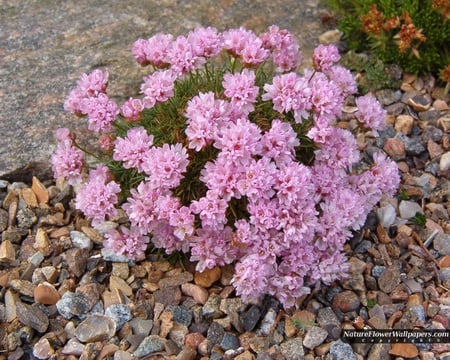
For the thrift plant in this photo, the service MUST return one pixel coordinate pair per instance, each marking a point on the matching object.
(230, 156)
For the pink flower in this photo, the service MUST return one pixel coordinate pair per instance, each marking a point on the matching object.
(134, 148)
(67, 161)
(253, 53)
(211, 210)
(326, 96)
(280, 141)
(97, 197)
(165, 165)
(235, 40)
(101, 112)
(131, 109)
(343, 78)
(289, 92)
(158, 87)
(153, 51)
(129, 242)
(240, 88)
(325, 56)
(183, 58)
(370, 112)
(206, 42)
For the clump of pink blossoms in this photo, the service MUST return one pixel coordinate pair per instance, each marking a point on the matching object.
(226, 160)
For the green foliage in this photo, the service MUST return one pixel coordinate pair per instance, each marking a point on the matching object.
(419, 219)
(424, 48)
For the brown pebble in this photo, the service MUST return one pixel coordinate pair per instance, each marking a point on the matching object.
(7, 252)
(395, 148)
(199, 294)
(40, 191)
(46, 294)
(29, 197)
(402, 349)
(346, 301)
(207, 277)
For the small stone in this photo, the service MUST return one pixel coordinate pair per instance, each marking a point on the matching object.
(76, 260)
(10, 300)
(292, 349)
(46, 294)
(444, 274)
(178, 334)
(120, 313)
(434, 149)
(7, 252)
(168, 296)
(346, 301)
(388, 96)
(111, 255)
(207, 277)
(251, 317)
(395, 148)
(80, 240)
(166, 323)
(187, 353)
(199, 294)
(314, 337)
(408, 209)
(340, 350)
(180, 314)
(32, 316)
(211, 309)
(121, 270)
(420, 102)
(386, 215)
(441, 243)
(73, 347)
(405, 350)
(42, 349)
(267, 322)
(150, 344)
(444, 262)
(42, 242)
(4, 220)
(73, 304)
(40, 191)
(193, 340)
(95, 328)
(215, 333)
(229, 341)
(116, 283)
(404, 124)
(28, 195)
(23, 287)
(141, 326)
(379, 351)
(444, 163)
(389, 279)
(176, 280)
(330, 37)
(327, 319)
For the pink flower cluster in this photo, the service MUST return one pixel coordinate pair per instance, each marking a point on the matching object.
(283, 223)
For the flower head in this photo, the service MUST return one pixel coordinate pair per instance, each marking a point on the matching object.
(370, 112)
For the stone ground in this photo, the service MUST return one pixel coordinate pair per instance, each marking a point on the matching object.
(45, 45)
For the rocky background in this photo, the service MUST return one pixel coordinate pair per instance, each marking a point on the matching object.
(45, 45)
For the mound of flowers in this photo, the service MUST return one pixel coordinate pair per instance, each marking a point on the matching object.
(231, 156)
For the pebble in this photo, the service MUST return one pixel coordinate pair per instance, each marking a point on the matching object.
(150, 344)
(405, 350)
(176, 280)
(42, 349)
(404, 124)
(32, 316)
(251, 317)
(199, 294)
(180, 314)
(208, 277)
(408, 209)
(7, 252)
(389, 279)
(346, 301)
(46, 294)
(314, 337)
(444, 163)
(327, 319)
(80, 240)
(395, 148)
(386, 215)
(73, 304)
(120, 313)
(293, 349)
(95, 328)
(340, 350)
(211, 309)
(73, 347)
(441, 243)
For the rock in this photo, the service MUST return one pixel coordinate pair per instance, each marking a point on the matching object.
(404, 124)
(10, 300)
(42, 349)
(178, 334)
(73, 347)
(121, 270)
(40, 191)
(207, 277)
(32, 316)
(116, 283)
(388, 96)
(434, 149)
(340, 350)
(408, 209)
(386, 215)
(229, 341)
(389, 279)
(7, 252)
(168, 296)
(251, 317)
(431, 133)
(444, 163)
(215, 333)
(95, 328)
(211, 309)
(73, 304)
(395, 148)
(441, 243)
(267, 322)
(176, 280)
(193, 340)
(346, 301)
(76, 260)
(292, 349)
(4, 220)
(180, 314)
(330, 37)
(46, 294)
(199, 294)
(28, 195)
(80, 240)
(166, 323)
(420, 102)
(327, 319)
(314, 337)
(405, 350)
(379, 351)
(150, 344)
(120, 313)
(187, 353)
(141, 326)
